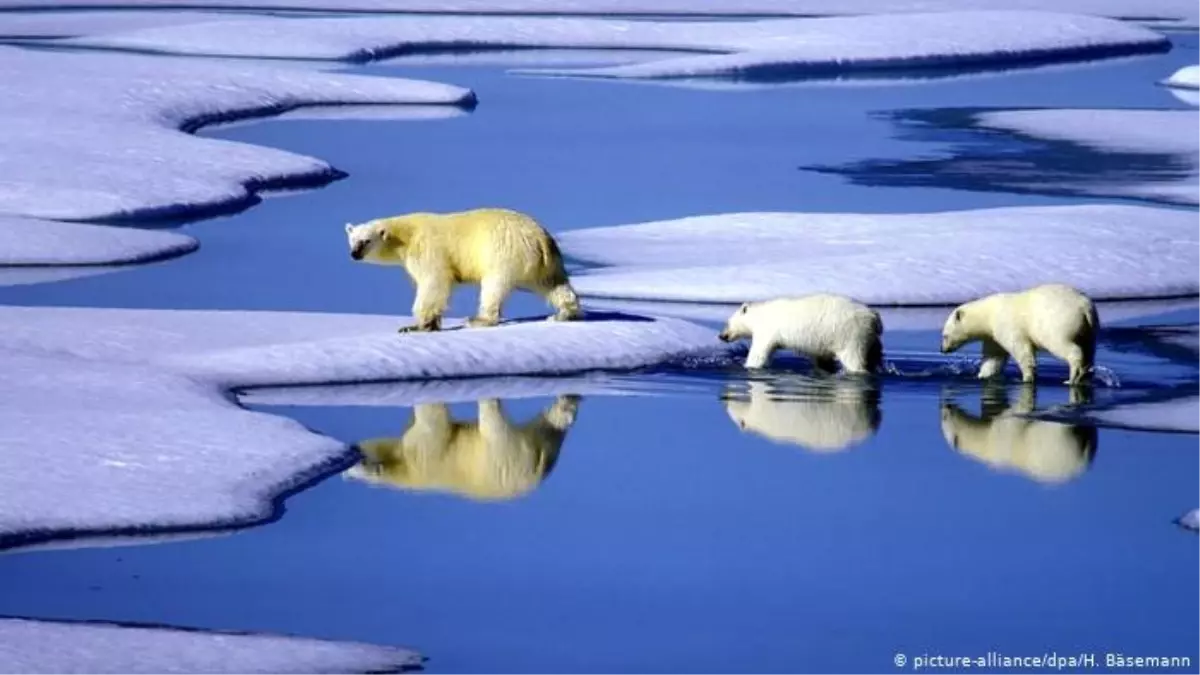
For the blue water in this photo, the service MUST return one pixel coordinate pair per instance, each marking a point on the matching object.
(666, 538)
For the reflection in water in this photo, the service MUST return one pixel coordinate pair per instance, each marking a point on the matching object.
(992, 160)
(490, 459)
(823, 415)
(1001, 437)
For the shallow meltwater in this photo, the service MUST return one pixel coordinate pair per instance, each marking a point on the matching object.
(692, 518)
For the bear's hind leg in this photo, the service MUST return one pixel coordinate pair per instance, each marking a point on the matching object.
(493, 291)
(1080, 369)
(565, 302)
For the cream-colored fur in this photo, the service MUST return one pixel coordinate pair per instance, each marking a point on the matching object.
(1047, 452)
(489, 459)
(826, 328)
(828, 416)
(1054, 318)
(499, 249)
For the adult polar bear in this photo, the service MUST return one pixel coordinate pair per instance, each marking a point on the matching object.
(499, 249)
(1054, 317)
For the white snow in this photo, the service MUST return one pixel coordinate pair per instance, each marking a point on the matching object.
(25, 241)
(1168, 12)
(1190, 520)
(1185, 78)
(818, 47)
(97, 136)
(893, 259)
(1175, 133)
(34, 646)
(130, 408)
(44, 24)
(1184, 84)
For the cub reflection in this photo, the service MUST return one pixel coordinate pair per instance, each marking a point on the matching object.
(1047, 452)
(819, 415)
(491, 459)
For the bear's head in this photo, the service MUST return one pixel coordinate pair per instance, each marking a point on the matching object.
(366, 240)
(738, 325)
(955, 333)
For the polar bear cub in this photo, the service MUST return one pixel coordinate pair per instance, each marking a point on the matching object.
(499, 249)
(826, 328)
(1051, 317)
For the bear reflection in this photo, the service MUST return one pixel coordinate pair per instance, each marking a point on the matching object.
(823, 416)
(1047, 452)
(491, 459)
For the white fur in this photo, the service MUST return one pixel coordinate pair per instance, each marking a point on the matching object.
(822, 419)
(1052, 317)
(824, 327)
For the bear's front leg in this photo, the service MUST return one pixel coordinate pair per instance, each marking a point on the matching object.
(994, 360)
(432, 297)
(760, 353)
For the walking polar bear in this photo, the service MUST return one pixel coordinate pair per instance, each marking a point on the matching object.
(1051, 317)
(488, 459)
(826, 328)
(499, 249)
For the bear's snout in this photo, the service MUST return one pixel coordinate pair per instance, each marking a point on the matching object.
(724, 336)
(356, 252)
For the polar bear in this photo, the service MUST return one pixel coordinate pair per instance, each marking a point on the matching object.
(490, 459)
(1004, 438)
(1052, 317)
(821, 415)
(499, 249)
(824, 327)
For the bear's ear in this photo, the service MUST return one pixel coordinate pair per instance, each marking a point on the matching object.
(957, 315)
(349, 228)
(745, 306)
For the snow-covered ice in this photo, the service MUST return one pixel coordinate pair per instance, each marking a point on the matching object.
(1185, 78)
(1168, 12)
(35, 646)
(817, 47)
(1172, 133)
(1184, 84)
(131, 407)
(893, 259)
(26, 241)
(1190, 520)
(44, 24)
(99, 136)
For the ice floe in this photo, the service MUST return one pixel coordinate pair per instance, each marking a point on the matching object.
(893, 259)
(26, 241)
(43, 25)
(1168, 12)
(1184, 84)
(98, 136)
(1170, 133)
(766, 48)
(36, 646)
(132, 406)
